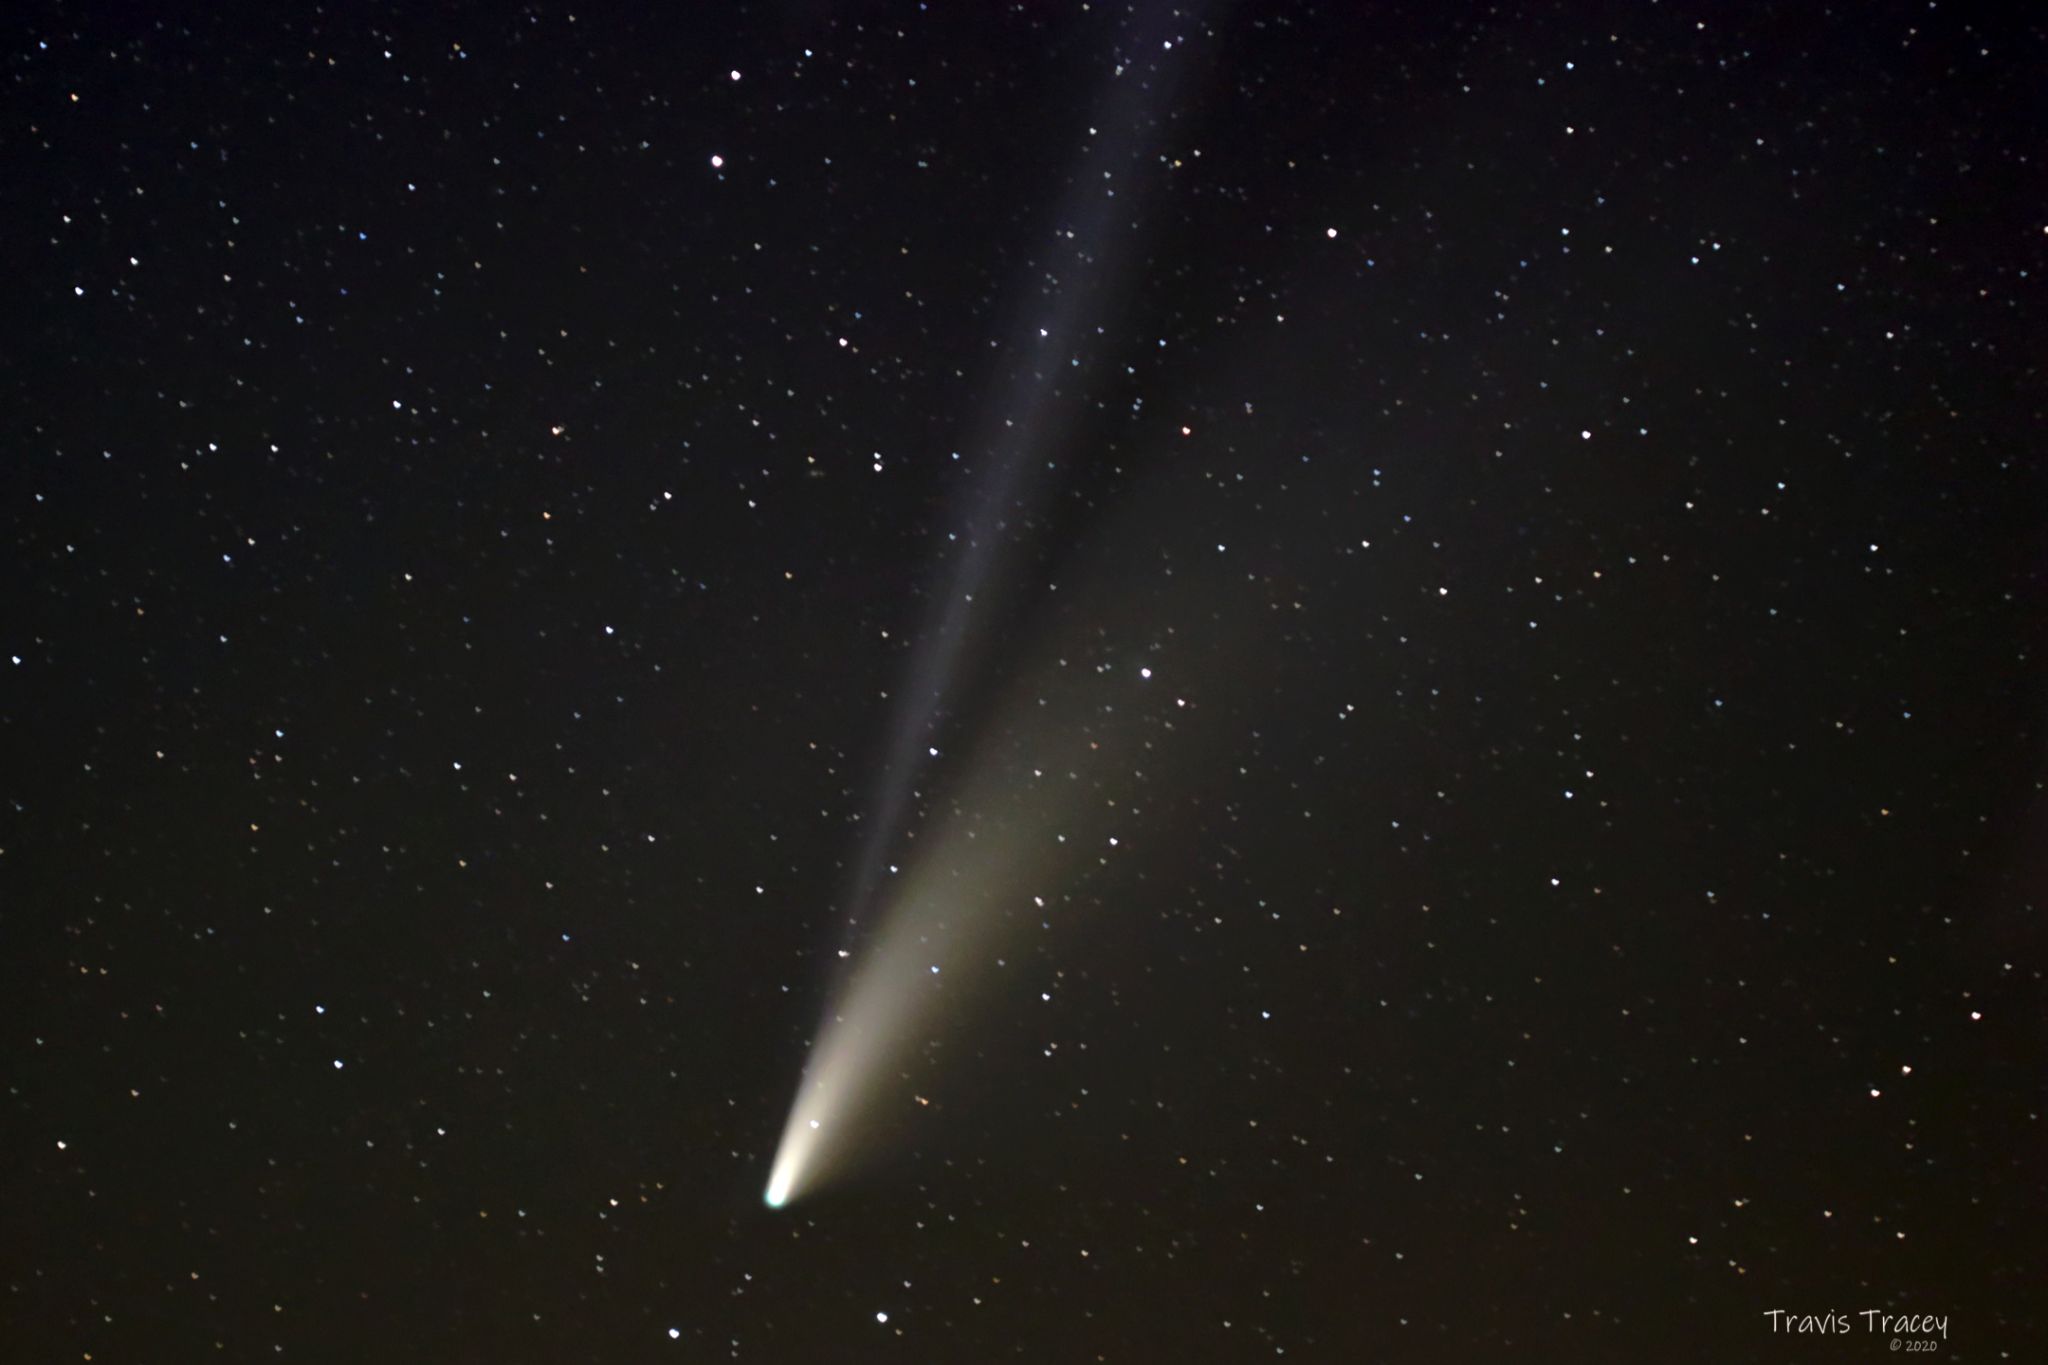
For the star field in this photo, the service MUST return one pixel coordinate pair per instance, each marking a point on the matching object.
(1401, 645)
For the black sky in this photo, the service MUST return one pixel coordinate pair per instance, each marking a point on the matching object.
(480, 479)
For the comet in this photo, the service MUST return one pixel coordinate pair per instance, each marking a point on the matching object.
(941, 920)
(942, 936)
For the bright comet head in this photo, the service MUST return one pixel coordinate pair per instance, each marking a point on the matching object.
(798, 1155)
(782, 1176)
(789, 1160)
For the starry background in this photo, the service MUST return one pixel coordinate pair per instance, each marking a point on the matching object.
(478, 476)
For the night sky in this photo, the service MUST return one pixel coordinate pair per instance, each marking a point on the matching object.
(1437, 610)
